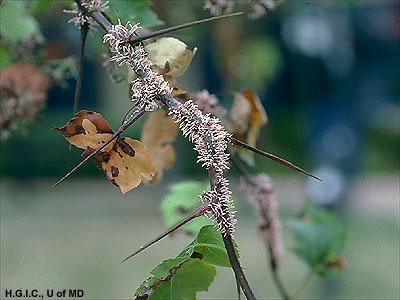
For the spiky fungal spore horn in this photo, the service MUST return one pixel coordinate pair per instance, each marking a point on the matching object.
(209, 137)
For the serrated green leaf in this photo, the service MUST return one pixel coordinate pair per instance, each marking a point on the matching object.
(17, 23)
(191, 271)
(319, 236)
(134, 11)
(211, 246)
(192, 277)
(182, 200)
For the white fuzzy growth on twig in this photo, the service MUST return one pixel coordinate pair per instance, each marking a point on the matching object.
(81, 18)
(149, 85)
(210, 141)
(205, 131)
(261, 195)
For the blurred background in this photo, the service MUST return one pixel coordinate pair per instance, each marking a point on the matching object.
(327, 73)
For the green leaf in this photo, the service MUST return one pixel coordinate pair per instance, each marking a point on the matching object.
(319, 236)
(193, 270)
(181, 201)
(210, 244)
(4, 58)
(259, 66)
(17, 23)
(134, 11)
(202, 274)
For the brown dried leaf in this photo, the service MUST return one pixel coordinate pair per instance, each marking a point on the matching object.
(246, 118)
(159, 132)
(124, 161)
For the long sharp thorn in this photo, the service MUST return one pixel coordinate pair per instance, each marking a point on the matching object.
(273, 157)
(197, 213)
(84, 31)
(121, 129)
(137, 39)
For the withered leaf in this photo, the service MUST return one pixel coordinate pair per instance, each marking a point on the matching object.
(246, 118)
(171, 51)
(159, 132)
(124, 161)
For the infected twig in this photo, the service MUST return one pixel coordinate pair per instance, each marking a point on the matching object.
(209, 127)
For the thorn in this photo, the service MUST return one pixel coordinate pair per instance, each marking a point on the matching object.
(121, 129)
(137, 39)
(273, 157)
(197, 213)
(84, 31)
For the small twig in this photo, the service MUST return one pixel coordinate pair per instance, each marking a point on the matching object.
(141, 38)
(197, 213)
(84, 31)
(238, 288)
(303, 285)
(275, 275)
(273, 157)
(121, 129)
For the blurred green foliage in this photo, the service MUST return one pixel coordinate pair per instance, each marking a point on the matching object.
(320, 238)
(17, 23)
(135, 11)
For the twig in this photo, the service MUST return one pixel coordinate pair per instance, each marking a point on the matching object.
(273, 157)
(302, 287)
(121, 129)
(235, 264)
(279, 284)
(84, 31)
(197, 213)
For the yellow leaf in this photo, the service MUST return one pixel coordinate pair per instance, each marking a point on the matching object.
(171, 52)
(159, 132)
(246, 118)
